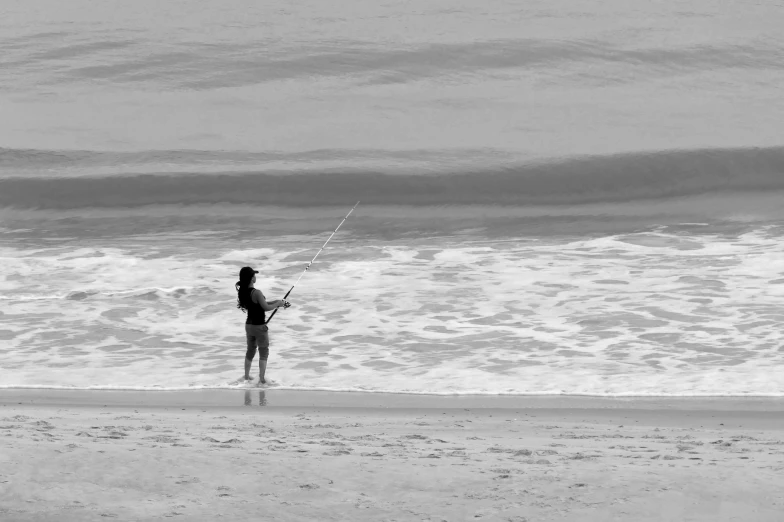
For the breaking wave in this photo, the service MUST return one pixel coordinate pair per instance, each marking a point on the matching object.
(593, 179)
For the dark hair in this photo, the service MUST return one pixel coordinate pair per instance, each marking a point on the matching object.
(244, 301)
(243, 295)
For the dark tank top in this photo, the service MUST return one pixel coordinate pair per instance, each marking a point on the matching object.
(256, 314)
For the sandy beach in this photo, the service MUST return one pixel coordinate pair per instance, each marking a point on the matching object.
(557, 295)
(94, 455)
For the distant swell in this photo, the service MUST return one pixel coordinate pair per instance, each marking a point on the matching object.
(616, 178)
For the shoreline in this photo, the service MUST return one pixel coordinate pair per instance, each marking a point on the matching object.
(691, 413)
(340, 399)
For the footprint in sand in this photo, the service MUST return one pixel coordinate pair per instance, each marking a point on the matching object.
(43, 426)
(114, 435)
(338, 452)
(163, 438)
(192, 480)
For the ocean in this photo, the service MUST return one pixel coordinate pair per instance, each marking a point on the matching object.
(557, 197)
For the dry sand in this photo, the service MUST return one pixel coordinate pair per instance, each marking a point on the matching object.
(88, 461)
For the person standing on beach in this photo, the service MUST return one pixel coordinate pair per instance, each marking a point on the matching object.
(252, 301)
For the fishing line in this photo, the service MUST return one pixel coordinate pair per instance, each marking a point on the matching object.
(313, 260)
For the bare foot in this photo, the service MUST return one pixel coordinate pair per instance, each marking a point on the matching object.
(247, 377)
(262, 380)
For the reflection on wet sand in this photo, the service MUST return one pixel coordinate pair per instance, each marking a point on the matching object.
(249, 398)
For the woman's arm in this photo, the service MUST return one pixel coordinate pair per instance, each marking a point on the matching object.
(259, 298)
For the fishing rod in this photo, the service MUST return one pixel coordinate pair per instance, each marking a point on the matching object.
(312, 260)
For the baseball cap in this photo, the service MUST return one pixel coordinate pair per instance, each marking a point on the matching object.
(247, 273)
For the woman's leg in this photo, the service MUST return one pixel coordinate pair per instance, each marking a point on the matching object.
(262, 371)
(248, 363)
(251, 351)
(262, 336)
(263, 355)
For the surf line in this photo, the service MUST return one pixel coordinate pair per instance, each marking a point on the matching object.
(307, 267)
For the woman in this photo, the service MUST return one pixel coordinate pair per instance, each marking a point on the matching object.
(251, 300)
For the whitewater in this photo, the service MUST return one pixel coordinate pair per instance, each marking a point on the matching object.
(562, 197)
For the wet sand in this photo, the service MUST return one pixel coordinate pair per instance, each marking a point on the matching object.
(287, 456)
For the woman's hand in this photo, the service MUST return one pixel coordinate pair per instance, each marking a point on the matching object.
(284, 303)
